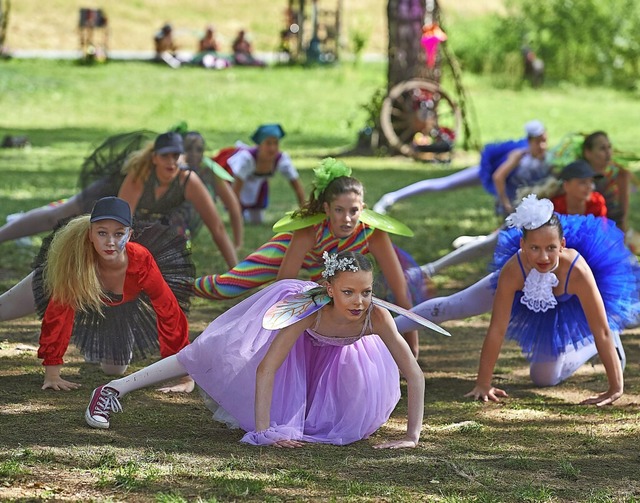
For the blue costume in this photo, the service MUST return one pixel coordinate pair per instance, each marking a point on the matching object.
(543, 336)
(529, 171)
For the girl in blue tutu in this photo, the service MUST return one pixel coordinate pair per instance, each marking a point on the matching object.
(329, 375)
(564, 288)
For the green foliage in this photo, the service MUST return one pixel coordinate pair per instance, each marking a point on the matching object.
(11, 469)
(373, 108)
(566, 470)
(533, 493)
(359, 40)
(582, 42)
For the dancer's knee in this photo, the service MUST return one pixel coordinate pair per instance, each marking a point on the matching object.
(545, 374)
(113, 370)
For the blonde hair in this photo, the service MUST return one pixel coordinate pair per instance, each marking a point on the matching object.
(71, 272)
(547, 188)
(139, 163)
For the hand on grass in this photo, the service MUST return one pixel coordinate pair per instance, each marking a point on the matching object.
(486, 393)
(405, 443)
(52, 379)
(185, 385)
(602, 399)
(290, 444)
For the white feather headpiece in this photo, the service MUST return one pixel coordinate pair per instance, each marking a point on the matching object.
(531, 213)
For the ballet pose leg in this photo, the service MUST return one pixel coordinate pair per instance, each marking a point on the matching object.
(156, 373)
(474, 300)
(18, 301)
(40, 219)
(479, 248)
(463, 178)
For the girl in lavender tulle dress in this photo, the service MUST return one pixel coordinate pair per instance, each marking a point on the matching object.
(330, 376)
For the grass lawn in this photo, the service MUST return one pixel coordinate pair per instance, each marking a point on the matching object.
(536, 446)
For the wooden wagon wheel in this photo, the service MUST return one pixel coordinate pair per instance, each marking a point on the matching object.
(409, 108)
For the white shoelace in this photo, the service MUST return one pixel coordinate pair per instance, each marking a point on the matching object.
(108, 401)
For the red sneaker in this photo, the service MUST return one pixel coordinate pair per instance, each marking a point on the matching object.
(103, 400)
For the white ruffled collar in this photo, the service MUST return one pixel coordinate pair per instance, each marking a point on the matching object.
(538, 289)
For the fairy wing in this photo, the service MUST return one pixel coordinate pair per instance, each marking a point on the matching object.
(385, 223)
(291, 223)
(294, 308)
(411, 315)
(217, 169)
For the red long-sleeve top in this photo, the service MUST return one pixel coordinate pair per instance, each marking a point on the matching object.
(596, 205)
(142, 275)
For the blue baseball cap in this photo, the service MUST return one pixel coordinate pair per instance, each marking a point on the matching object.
(266, 131)
(112, 208)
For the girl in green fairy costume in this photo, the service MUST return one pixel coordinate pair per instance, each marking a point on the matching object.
(333, 220)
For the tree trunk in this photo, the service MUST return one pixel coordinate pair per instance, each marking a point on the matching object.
(406, 55)
(407, 60)
(5, 6)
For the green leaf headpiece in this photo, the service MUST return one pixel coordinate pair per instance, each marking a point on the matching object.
(328, 170)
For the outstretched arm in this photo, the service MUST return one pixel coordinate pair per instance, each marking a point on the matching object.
(302, 242)
(299, 190)
(131, 191)
(382, 249)
(583, 284)
(198, 195)
(507, 286)
(265, 376)
(384, 326)
(230, 201)
(55, 334)
(624, 183)
(237, 186)
(501, 174)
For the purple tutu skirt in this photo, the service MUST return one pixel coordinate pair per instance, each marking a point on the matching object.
(336, 394)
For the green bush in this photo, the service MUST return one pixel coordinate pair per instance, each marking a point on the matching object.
(582, 42)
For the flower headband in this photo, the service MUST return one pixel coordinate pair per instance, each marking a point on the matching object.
(531, 213)
(332, 265)
(328, 170)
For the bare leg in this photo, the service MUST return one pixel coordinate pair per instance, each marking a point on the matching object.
(254, 216)
(39, 220)
(474, 300)
(474, 250)
(463, 178)
(160, 371)
(18, 301)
